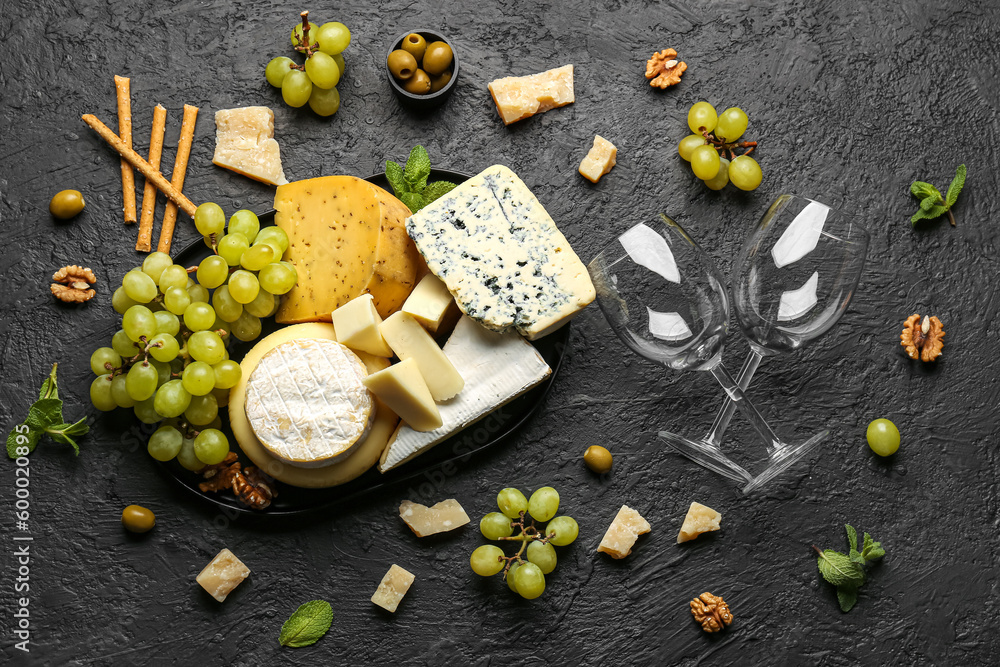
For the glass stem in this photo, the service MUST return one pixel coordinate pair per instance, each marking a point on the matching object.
(728, 408)
(744, 405)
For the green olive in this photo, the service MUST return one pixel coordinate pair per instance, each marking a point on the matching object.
(66, 204)
(402, 64)
(418, 84)
(440, 81)
(138, 519)
(597, 459)
(437, 58)
(415, 44)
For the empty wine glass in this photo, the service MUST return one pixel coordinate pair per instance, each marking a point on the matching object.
(664, 298)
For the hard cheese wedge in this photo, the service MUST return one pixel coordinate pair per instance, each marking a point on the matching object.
(222, 575)
(518, 97)
(361, 459)
(599, 161)
(700, 519)
(501, 255)
(244, 143)
(442, 517)
(392, 588)
(356, 323)
(409, 340)
(623, 532)
(402, 388)
(497, 368)
(431, 304)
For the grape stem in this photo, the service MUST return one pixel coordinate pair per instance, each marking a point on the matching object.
(528, 534)
(303, 45)
(728, 147)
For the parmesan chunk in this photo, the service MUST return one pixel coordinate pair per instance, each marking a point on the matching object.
(599, 160)
(518, 97)
(222, 575)
(244, 143)
(623, 532)
(422, 520)
(700, 519)
(394, 585)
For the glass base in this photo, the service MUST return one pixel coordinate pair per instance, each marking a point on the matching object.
(708, 456)
(782, 459)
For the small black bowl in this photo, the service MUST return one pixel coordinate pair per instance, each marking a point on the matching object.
(430, 100)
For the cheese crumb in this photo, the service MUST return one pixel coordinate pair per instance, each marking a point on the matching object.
(222, 575)
(393, 587)
(623, 532)
(600, 159)
(518, 97)
(244, 143)
(422, 520)
(700, 519)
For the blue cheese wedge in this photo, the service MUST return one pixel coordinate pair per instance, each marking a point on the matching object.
(306, 402)
(501, 255)
(497, 368)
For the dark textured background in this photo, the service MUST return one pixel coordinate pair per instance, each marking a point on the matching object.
(850, 102)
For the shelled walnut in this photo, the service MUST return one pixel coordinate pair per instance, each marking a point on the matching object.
(922, 338)
(664, 69)
(711, 612)
(72, 284)
(251, 486)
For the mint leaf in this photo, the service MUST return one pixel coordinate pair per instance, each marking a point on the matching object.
(956, 186)
(838, 569)
(413, 201)
(49, 387)
(65, 433)
(437, 189)
(44, 413)
(935, 211)
(847, 596)
(418, 168)
(307, 624)
(925, 190)
(394, 174)
(872, 549)
(928, 204)
(32, 435)
(852, 536)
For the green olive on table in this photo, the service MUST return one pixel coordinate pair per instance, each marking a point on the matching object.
(138, 519)
(415, 44)
(66, 204)
(402, 64)
(597, 459)
(437, 58)
(418, 84)
(440, 81)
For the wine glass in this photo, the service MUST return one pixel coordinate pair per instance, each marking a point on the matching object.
(665, 299)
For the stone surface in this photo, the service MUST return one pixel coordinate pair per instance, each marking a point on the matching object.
(850, 101)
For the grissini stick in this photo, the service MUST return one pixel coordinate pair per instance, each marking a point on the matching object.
(144, 242)
(177, 177)
(122, 88)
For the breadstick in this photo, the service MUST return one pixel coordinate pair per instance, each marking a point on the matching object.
(144, 241)
(136, 161)
(177, 178)
(122, 88)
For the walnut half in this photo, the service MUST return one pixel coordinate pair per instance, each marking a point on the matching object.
(72, 284)
(922, 338)
(711, 612)
(664, 69)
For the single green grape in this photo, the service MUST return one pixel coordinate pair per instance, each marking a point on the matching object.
(275, 73)
(244, 222)
(227, 374)
(172, 399)
(141, 381)
(120, 301)
(100, 393)
(543, 555)
(119, 392)
(705, 162)
(226, 307)
(206, 346)
(702, 117)
(543, 504)
(732, 124)
(146, 413)
(222, 325)
(883, 437)
(247, 327)
(339, 58)
(297, 34)
(262, 304)
(243, 286)
(211, 446)
(139, 287)
(187, 458)
(213, 271)
(155, 263)
(209, 218)
(296, 88)
(167, 322)
(164, 347)
(199, 316)
(278, 277)
(176, 300)
(486, 560)
(173, 276)
(510, 576)
(324, 102)
(529, 580)
(221, 397)
(123, 345)
(512, 502)
(198, 293)
(333, 37)
(198, 378)
(276, 235)
(721, 179)
(203, 410)
(322, 70)
(257, 257)
(165, 443)
(139, 322)
(232, 246)
(163, 370)
(745, 173)
(689, 143)
(562, 530)
(495, 525)
(102, 356)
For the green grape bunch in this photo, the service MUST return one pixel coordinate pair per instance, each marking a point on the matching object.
(169, 362)
(714, 137)
(315, 82)
(525, 576)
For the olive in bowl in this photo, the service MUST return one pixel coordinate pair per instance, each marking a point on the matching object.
(422, 68)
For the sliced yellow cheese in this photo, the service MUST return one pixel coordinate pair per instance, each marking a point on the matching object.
(440, 518)
(623, 532)
(224, 573)
(409, 340)
(244, 143)
(402, 387)
(361, 459)
(356, 324)
(431, 304)
(518, 97)
(398, 264)
(700, 519)
(392, 588)
(602, 156)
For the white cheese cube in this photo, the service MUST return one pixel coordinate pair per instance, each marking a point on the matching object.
(356, 324)
(430, 303)
(409, 340)
(402, 387)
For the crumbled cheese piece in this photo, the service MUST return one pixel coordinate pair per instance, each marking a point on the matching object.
(599, 160)
(518, 97)
(356, 324)
(700, 519)
(422, 520)
(222, 575)
(394, 585)
(623, 532)
(244, 143)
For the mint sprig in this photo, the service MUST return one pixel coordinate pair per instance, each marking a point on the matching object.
(307, 624)
(45, 418)
(932, 204)
(410, 183)
(847, 572)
